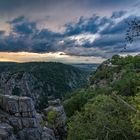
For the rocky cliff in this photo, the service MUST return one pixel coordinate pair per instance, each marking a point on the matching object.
(20, 121)
(56, 117)
(39, 80)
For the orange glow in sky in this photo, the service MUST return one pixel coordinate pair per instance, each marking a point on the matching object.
(46, 57)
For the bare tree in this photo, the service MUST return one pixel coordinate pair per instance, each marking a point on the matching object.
(133, 30)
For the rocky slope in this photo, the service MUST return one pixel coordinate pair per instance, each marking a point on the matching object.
(56, 116)
(20, 121)
(39, 80)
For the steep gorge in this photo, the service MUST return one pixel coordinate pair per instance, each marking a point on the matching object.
(40, 81)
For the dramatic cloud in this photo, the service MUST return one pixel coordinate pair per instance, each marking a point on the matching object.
(62, 11)
(22, 26)
(94, 36)
(67, 26)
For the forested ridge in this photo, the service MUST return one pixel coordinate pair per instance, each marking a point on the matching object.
(40, 80)
(108, 108)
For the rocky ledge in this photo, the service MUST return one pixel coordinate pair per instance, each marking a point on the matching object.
(20, 121)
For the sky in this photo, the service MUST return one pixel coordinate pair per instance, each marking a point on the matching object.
(67, 31)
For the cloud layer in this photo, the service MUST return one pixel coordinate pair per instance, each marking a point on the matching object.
(94, 36)
(66, 30)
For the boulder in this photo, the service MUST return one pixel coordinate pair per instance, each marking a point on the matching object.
(48, 134)
(15, 122)
(59, 125)
(18, 106)
(9, 104)
(29, 123)
(26, 107)
(54, 102)
(6, 132)
(39, 119)
(30, 134)
(18, 115)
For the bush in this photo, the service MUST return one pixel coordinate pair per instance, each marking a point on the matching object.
(52, 115)
(102, 118)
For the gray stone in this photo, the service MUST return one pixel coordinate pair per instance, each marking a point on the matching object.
(6, 132)
(3, 133)
(26, 107)
(16, 122)
(48, 134)
(18, 106)
(30, 134)
(10, 104)
(21, 117)
(54, 102)
(29, 122)
(39, 118)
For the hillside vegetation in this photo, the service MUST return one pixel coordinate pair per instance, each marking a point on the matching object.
(108, 108)
(40, 80)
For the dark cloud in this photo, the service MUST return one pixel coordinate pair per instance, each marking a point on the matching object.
(119, 27)
(22, 26)
(59, 10)
(25, 36)
(109, 40)
(62, 11)
(95, 23)
(48, 34)
(91, 25)
(112, 35)
(83, 25)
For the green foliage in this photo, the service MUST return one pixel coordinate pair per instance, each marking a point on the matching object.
(54, 79)
(0, 97)
(16, 91)
(94, 114)
(15, 130)
(43, 123)
(102, 118)
(120, 75)
(42, 102)
(127, 84)
(75, 103)
(52, 115)
(135, 118)
(80, 98)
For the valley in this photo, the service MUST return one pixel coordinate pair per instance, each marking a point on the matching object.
(64, 102)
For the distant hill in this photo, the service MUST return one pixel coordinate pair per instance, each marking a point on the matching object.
(86, 67)
(40, 80)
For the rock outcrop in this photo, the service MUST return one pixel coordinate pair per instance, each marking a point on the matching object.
(20, 121)
(55, 114)
(6, 132)
(39, 80)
